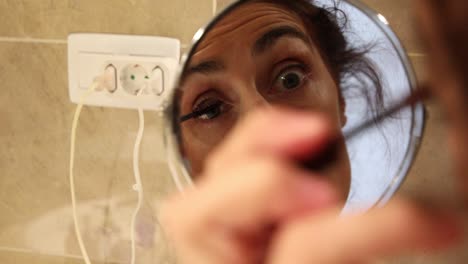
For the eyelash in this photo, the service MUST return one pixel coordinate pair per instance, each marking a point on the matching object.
(198, 111)
(293, 63)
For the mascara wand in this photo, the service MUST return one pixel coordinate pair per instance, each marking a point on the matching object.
(330, 152)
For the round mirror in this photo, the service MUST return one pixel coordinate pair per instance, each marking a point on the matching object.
(339, 59)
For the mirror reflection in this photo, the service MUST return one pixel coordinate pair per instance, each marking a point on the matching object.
(302, 55)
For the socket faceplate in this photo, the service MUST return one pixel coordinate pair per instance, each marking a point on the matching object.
(91, 56)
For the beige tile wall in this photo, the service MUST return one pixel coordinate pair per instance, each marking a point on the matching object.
(55, 19)
(35, 116)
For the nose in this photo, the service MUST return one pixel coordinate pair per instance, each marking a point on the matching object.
(251, 99)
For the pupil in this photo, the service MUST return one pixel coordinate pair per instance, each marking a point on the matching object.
(211, 112)
(291, 81)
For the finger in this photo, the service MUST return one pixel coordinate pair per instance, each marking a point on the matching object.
(276, 189)
(397, 228)
(273, 132)
(219, 217)
(247, 204)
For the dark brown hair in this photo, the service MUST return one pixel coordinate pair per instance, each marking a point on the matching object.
(327, 27)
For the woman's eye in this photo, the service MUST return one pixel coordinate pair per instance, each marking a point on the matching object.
(208, 106)
(209, 109)
(211, 112)
(289, 80)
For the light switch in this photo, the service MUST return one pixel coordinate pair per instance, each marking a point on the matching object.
(110, 78)
(157, 81)
(107, 81)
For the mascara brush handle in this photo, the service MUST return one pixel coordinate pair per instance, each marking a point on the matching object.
(329, 153)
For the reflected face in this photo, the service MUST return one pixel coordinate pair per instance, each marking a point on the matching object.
(259, 54)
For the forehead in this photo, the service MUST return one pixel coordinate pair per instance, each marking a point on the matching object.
(243, 26)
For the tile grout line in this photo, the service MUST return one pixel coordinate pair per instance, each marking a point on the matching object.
(32, 252)
(33, 40)
(48, 41)
(40, 253)
(183, 46)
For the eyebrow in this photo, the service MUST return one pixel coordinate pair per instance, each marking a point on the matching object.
(265, 42)
(269, 39)
(205, 67)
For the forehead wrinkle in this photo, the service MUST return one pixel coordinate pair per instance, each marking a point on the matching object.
(234, 19)
(217, 35)
(261, 28)
(229, 26)
(232, 26)
(279, 23)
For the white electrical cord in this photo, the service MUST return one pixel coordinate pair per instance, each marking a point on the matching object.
(174, 174)
(76, 117)
(215, 3)
(136, 170)
(138, 187)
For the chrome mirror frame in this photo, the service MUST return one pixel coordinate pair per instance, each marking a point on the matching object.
(176, 162)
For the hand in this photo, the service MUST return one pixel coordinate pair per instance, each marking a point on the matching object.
(253, 205)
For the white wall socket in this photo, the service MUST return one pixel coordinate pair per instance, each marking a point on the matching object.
(138, 71)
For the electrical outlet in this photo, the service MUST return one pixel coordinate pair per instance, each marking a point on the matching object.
(134, 71)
